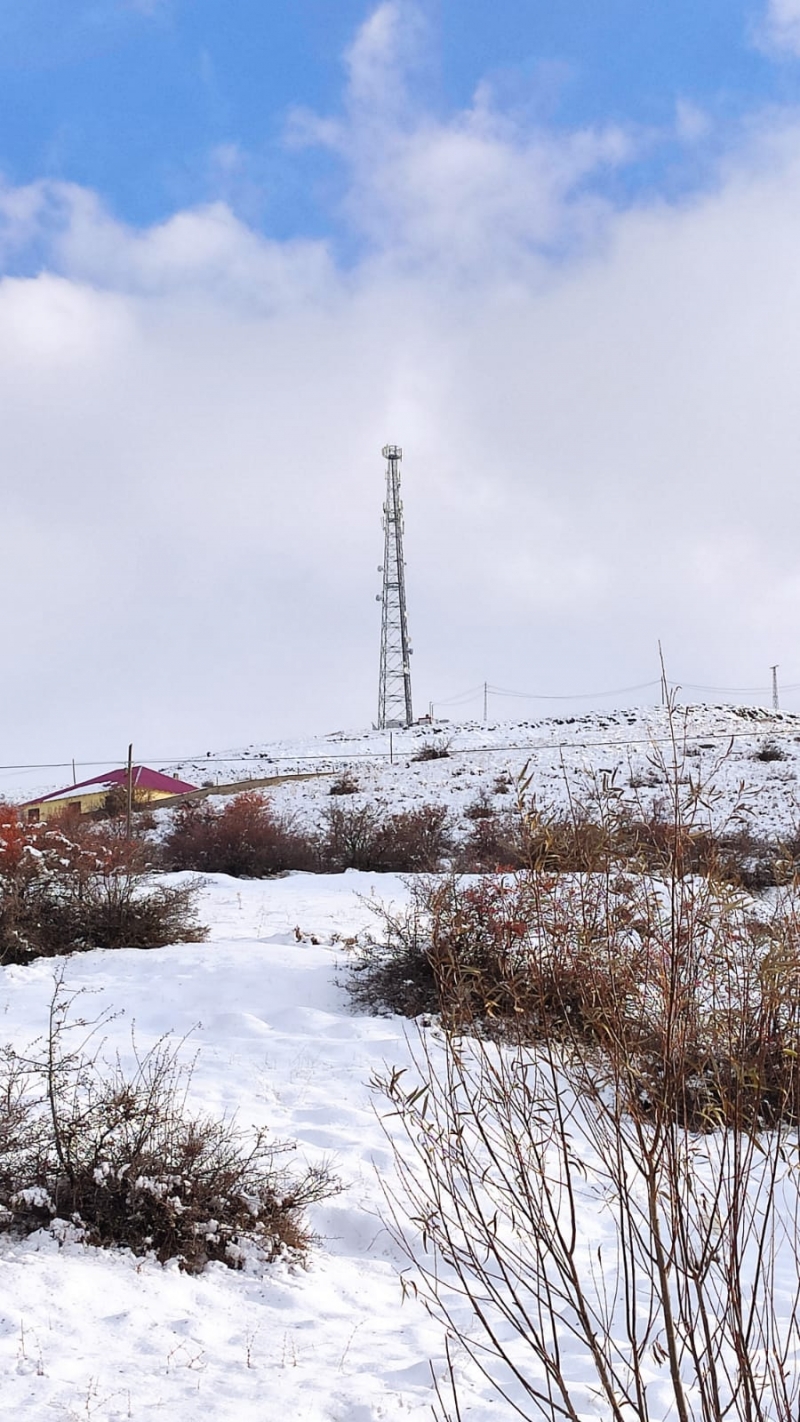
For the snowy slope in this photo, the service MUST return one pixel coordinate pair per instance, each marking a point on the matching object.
(90, 1334)
(105, 1336)
(715, 744)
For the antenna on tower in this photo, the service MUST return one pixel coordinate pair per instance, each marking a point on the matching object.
(394, 692)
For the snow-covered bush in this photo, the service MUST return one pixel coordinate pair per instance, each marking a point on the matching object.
(73, 884)
(697, 995)
(433, 750)
(599, 1194)
(344, 784)
(120, 1159)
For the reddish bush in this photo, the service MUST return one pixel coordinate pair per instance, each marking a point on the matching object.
(244, 837)
(414, 840)
(493, 842)
(70, 884)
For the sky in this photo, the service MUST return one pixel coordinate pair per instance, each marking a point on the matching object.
(553, 251)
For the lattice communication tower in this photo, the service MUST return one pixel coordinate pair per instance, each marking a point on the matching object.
(394, 693)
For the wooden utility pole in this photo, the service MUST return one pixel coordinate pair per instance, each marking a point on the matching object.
(485, 702)
(664, 684)
(129, 798)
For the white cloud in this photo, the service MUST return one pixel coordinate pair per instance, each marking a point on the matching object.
(601, 446)
(474, 190)
(692, 124)
(781, 26)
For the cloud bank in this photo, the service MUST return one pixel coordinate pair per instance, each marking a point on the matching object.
(597, 403)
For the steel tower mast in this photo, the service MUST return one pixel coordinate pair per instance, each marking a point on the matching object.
(394, 693)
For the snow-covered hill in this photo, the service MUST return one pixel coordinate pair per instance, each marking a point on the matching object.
(718, 745)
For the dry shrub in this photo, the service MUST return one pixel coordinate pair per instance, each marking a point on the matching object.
(119, 1160)
(71, 884)
(395, 973)
(245, 837)
(363, 837)
(414, 841)
(350, 837)
(626, 932)
(435, 750)
(507, 954)
(494, 842)
(769, 750)
(594, 835)
(345, 784)
(674, 982)
(587, 1263)
(115, 806)
(599, 1195)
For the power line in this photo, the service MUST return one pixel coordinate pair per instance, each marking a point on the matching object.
(462, 696)
(474, 692)
(571, 695)
(261, 759)
(741, 690)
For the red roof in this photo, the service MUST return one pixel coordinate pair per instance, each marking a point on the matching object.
(142, 776)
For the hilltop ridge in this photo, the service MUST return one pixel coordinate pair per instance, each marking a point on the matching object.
(748, 755)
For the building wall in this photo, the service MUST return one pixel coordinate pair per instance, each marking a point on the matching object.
(87, 804)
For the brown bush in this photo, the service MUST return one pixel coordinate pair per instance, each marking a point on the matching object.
(589, 839)
(72, 884)
(414, 840)
(245, 837)
(434, 750)
(493, 842)
(350, 837)
(345, 784)
(687, 996)
(361, 837)
(119, 1157)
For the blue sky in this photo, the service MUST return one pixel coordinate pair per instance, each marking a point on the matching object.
(136, 101)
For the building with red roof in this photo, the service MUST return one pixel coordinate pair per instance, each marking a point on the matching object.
(89, 796)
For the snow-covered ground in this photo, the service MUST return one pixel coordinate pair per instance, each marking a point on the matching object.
(92, 1334)
(102, 1335)
(624, 748)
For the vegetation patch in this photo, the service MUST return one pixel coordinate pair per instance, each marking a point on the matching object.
(116, 1158)
(244, 837)
(70, 885)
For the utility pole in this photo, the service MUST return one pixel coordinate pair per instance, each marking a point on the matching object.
(664, 684)
(394, 688)
(129, 797)
(485, 702)
(775, 703)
